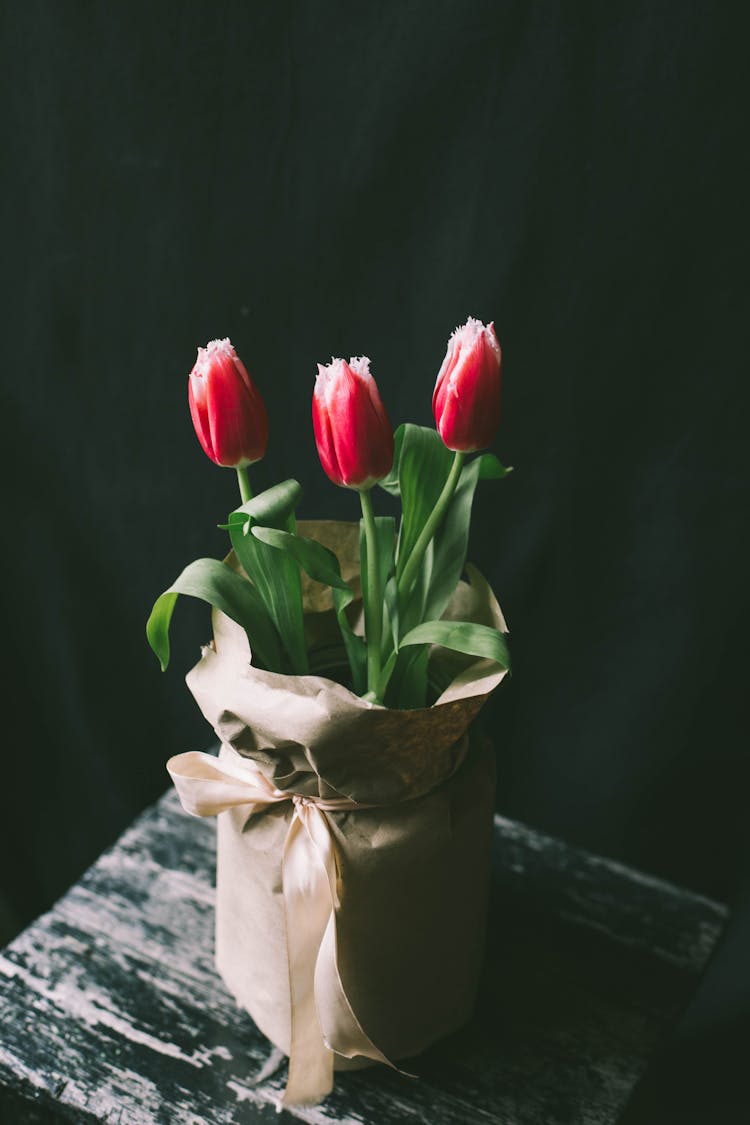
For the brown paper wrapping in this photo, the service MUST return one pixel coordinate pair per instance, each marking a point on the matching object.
(412, 872)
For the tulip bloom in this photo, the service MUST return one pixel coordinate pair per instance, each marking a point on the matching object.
(352, 431)
(466, 399)
(228, 413)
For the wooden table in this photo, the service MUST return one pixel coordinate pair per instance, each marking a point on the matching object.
(112, 1010)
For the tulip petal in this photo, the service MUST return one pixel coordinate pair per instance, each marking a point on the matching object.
(466, 400)
(228, 413)
(198, 412)
(352, 431)
(236, 416)
(323, 433)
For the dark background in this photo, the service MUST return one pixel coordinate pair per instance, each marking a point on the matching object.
(315, 179)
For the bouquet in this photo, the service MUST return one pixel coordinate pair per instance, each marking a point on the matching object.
(354, 796)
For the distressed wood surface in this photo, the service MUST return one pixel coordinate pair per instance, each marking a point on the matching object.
(112, 1011)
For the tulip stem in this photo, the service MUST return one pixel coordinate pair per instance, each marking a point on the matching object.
(374, 597)
(246, 491)
(413, 563)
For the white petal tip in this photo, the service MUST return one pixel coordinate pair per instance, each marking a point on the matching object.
(212, 348)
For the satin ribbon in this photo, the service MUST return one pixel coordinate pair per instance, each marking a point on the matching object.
(322, 1019)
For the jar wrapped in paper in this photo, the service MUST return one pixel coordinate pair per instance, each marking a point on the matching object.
(353, 843)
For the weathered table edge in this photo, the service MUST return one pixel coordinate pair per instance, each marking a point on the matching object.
(632, 908)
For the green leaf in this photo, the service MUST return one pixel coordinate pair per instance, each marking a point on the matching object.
(316, 560)
(462, 636)
(214, 582)
(327, 660)
(445, 563)
(444, 567)
(391, 616)
(275, 577)
(423, 468)
(271, 508)
(355, 646)
(390, 483)
(407, 688)
(323, 566)
(491, 469)
(385, 530)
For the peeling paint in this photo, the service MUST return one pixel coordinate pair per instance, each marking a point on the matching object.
(112, 1010)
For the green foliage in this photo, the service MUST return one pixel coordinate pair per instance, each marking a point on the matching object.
(390, 484)
(269, 607)
(451, 542)
(272, 554)
(322, 566)
(386, 537)
(275, 576)
(462, 636)
(423, 468)
(216, 583)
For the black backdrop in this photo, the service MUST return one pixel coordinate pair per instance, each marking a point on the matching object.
(314, 179)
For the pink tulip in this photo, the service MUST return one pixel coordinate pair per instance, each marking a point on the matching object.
(352, 431)
(228, 413)
(466, 400)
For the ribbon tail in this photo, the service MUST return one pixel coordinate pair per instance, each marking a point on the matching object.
(342, 1030)
(307, 910)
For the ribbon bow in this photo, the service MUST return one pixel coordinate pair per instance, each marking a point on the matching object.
(207, 786)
